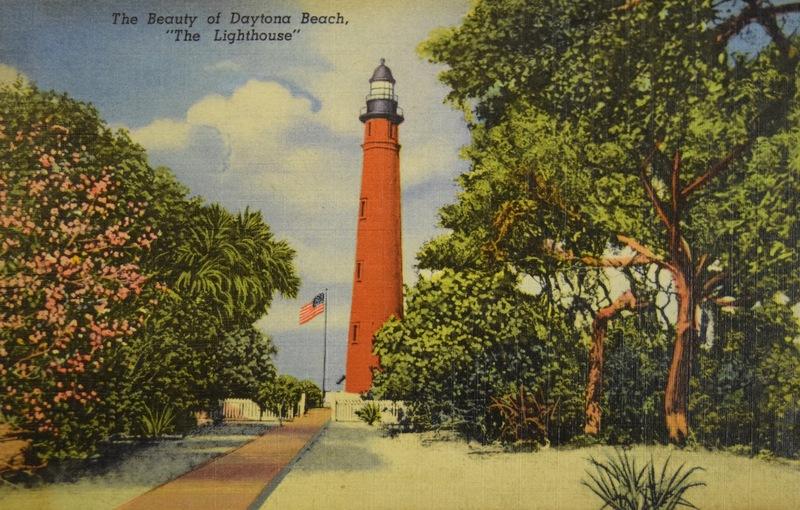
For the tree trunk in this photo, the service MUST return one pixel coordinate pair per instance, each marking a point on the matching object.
(594, 384)
(676, 398)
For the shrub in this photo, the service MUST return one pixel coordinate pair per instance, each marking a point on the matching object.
(466, 338)
(523, 416)
(75, 225)
(622, 485)
(118, 293)
(279, 396)
(313, 393)
(157, 422)
(370, 413)
(749, 382)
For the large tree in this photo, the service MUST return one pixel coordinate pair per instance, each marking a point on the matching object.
(630, 135)
(73, 232)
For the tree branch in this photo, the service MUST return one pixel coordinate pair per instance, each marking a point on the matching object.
(715, 170)
(651, 193)
(600, 262)
(753, 12)
(712, 282)
(675, 237)
(644, 251)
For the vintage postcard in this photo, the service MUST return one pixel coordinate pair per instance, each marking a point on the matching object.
(409, 254)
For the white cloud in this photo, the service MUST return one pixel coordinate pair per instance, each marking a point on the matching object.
(330, 260)
(10, 74)
(270, 137)
(163, 134)
(299, 160)
(255, 117)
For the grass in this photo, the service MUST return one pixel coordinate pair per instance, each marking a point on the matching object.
(353, 466)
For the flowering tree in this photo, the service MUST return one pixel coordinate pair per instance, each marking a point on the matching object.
(119, 294)
(72, 232)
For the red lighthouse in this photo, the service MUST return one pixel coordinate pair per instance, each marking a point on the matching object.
(378, 275)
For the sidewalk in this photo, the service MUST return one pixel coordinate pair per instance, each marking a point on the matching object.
(240, 479)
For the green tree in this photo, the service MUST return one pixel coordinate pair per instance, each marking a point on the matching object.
(279, 395)
(218, 273)
(626, 134)
(234, 263)
(313, 393)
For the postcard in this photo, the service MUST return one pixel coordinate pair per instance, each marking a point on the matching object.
(458, 254)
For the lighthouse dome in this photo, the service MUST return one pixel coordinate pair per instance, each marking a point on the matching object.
(381, 100)
(382, 73)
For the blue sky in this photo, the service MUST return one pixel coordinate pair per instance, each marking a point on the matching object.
(273, 126)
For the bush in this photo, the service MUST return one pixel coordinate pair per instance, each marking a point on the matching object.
(75, 228)
(370, 413)
(749, 382)
(621, 485)
(279, 396)
(157, 422)
(523, 417)
(468, 338)
(313, 394)
(635, 373)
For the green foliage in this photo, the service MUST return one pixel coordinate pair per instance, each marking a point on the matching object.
(313, 393)
(279, 395)
(574, 106)
(468, 337)
(369, 413)
(637, 357)
(523, 417)
(157, 422)
(621, 485)
(73, 234)
(121, 298)
(749, 382)
(234, 263)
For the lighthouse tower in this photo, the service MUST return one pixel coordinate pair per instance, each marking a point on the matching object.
(378, 274)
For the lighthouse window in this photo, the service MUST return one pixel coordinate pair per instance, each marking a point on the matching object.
(354, 334)
(393, 132)
(359, 265)
(362, 209)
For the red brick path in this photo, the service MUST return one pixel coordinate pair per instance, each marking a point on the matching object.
(239, 479)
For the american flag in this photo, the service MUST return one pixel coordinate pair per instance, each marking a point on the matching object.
(310, 310)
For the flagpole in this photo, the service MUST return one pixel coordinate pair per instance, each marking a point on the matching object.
(324, 344)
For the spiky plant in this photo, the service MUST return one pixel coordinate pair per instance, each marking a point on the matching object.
(524, 417)
(622, 485)
(370, 413)
(156, 423)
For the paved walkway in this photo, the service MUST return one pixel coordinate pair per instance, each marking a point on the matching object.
(241, 479)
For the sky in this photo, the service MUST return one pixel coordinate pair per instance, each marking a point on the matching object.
(272, 126)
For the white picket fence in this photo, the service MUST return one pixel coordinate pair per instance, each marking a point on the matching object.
(345, 409)
(243, 409)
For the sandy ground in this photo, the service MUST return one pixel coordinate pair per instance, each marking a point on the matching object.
(133, 471)
(352, 466)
